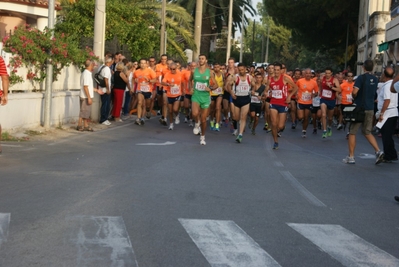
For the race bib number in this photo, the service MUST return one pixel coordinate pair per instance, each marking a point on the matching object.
(200, 86)
(144, 87)
(349, 98)
(255, 99)
(327, 93)
(278, 94)
(175, 90)
(316, 101)
(242, 89)
(218, 91)
(306, 96)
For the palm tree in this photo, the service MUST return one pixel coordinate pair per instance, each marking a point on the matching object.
(177, 19)
(215, 16)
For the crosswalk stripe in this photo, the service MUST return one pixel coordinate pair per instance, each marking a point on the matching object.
(346, 247)
(101, 241)
(223, 243)
(4, 224)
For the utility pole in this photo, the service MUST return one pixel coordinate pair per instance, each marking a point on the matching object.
(267, 44)
(98, 48)
(253, 42)
(242, 33)
(163, 29)
(229, 29)
(197, 29)
(49, 71)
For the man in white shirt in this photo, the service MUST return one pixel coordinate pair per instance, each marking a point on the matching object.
(86, 96)
(105, 92)
(387, 116)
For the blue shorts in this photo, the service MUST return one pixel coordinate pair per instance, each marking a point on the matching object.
(241, 101)
(329, 103)
(187, 96)
(172, 100)
(214, 97)
(280, 109)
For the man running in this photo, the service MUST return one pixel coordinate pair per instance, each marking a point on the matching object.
(144, 78)
(280, 99)
(258, 89)
(172, 82)
(230, 71)
(329, 87)
(187, 95)
(216, 99)
(239, 86)
(160, 70)
(201, 100)
(307, 89)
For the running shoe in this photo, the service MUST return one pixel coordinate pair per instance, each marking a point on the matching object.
(303, 134)
(293, 126)
(349, 160)
(202, 140)
(266, 127)
(191, 123)
(329, 131)
(239, 138)
(340, 126)
(212, 124)
(142, 121)
(324, 134)
(250, 124)
(268, 130)
(217, 127)
(279, 133)
(275, 146)
(314, 131)
(148, 115)
(196, 129)
(106, 122)
(379, 157)
(319, 125)
(171, 126)
(235, 132)
(253, 131)
(185, 120)
(226, 122)
(138, 122)
(177, 119)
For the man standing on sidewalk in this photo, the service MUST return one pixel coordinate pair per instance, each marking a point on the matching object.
(5, 84)
(365, 87)
(105, 92)
(86, 97)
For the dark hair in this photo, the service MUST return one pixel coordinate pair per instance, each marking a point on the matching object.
(329, 68)
(216, 63)
(368, 65)
(202, 55)
(231, 58)
(277, 64)
(142, 59)
(241, 65)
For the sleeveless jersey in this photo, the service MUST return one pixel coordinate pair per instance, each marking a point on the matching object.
(201, 80)
(254, 99)
(242, 88)
(279, 91)
(326, 92)
(220, 83)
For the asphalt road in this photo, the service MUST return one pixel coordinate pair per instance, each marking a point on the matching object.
(145, 196)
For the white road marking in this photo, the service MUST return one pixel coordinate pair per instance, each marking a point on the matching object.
(301, 189)
(6, 145)
(167, 143)
(101, 241)
(223, 243)
(4, 224)
(344, 246)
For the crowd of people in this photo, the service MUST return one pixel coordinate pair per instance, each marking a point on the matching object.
(211, 95)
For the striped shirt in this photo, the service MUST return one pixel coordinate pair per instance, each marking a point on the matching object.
(3, 70)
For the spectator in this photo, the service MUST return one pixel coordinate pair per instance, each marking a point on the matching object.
(120, 84)
(86, 96)
(4, 92)
(105, 92)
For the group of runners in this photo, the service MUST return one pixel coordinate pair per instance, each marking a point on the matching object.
(232, 93)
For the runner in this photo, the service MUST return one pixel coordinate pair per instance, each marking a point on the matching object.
(239, 87)
(172, 83)
(307, 89)
(160, 70)
(270, 73)
(280, 99)
(257, 93)
(216, 99)
(188, 94)
(346, 97)
(144, 78)
(230, 71)
(201, 99)
(329, 86)
(293, 105)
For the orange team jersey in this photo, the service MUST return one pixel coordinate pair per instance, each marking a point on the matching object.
(160, 71)
(186, 74)
(175, 80)
(305, 90)
(346, 92)
(142, 84)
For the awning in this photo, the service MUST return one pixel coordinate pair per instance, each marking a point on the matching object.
(383, 47)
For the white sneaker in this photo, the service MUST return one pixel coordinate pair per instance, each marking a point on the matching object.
(191, 123)
(171, 126)
(177, 119)
(235, 132)
(106, 122)
(196, 129)
(202, 140)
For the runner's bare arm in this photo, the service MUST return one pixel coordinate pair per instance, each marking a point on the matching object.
(336, 87)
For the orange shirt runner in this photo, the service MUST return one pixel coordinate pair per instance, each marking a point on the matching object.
(175, 81)
(346, 92)
(305, 90)
(142, 77)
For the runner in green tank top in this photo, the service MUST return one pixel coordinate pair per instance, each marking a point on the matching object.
(203, 82)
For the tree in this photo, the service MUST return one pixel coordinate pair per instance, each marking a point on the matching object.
(215, 17)
(318, 25)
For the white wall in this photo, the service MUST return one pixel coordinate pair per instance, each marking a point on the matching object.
(24, 110)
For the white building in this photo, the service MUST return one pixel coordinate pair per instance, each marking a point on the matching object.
(373, 17)
(390, 48)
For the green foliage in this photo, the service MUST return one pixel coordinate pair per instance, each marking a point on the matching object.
(33, 49)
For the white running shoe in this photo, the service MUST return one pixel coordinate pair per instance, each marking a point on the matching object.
(196, 129)
(202, 140)
(235, 132)
(106, 122)
(171, 126)
(191, 123)
(177, 119)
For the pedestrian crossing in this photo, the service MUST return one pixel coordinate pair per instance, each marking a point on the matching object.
(104, 241)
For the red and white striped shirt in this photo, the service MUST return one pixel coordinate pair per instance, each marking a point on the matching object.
(3, 70)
